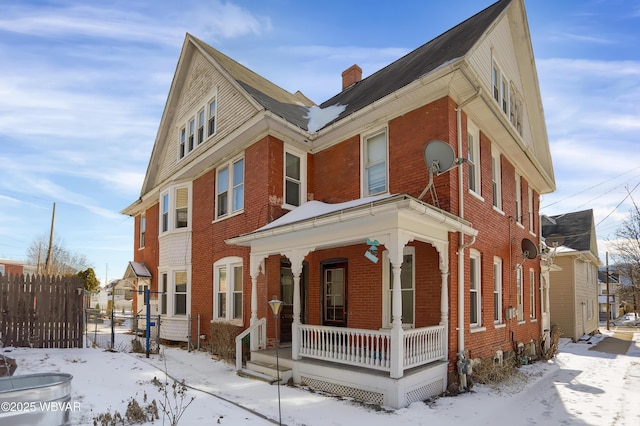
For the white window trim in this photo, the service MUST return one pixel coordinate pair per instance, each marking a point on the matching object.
(496, 175)
(474, 131)
(532, 294)
(185, 147)
(518, 199)
(530, 212)
(229, 263)
(171, 228)
(143, 231)
(498, 288)
(303, 176)
(475, 254)
(230, 212)
(363, 158)
(171, 287)
(387, 291)
(519, 294)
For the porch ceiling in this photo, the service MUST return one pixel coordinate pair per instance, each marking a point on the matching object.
(316, 225)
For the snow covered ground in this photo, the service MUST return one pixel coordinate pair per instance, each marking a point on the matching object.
(578, 387)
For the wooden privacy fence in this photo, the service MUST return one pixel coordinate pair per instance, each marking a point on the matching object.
(41, 311)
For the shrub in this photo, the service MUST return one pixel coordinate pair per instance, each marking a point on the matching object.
(223, 340)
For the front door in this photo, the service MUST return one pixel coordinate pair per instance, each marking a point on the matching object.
(286, 295)
(335, 294)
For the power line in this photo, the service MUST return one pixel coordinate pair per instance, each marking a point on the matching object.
(619, 204)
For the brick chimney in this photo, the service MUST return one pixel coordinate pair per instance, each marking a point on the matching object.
(351, 75)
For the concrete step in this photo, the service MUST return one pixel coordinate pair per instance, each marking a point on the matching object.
(269, 369)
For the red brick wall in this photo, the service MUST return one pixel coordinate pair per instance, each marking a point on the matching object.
(336, 172)
(11, 269)
(149, 253)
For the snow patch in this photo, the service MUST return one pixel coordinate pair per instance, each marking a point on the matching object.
(319, 117)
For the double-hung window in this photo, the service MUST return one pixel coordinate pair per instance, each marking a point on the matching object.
(165, 212)
(519, 294)
(192, 134)
(200, 126)
(506, 96)
(163, 293)
(375, 164)
(473, 157)
(294, 178)
(211, 117)
(143, 230)
(530, 209)
(230, 188)
(496, 179)
(174, 208)
(183, 141)
(497, 290)
(475, 289)
(180, 293)
(532, 294)
(407, 288)
(227, 304)
(518, 199)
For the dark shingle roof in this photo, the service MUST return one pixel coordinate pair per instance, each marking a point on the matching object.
(450, 45)
(572, 230)
(453, 44)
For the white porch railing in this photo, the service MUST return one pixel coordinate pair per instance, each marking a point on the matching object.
(371, 348)
(423, 345)
(260, 329)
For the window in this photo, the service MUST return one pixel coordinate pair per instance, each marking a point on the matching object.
(228, 289)
(200, 126)
(375, 164)
(1, 269)
(496, 179)
(174, 212)
(211, 118)
(233, 184)
(507, 96)
(294, 178)
(182, 207)
(532, 294)
(519, 295)
(475, 306)
(407, 288)
(192, 134)
(473, 157)
(165, 212)
(530, 211)
(497, 290)
(518, 199)
(163, 294)
(180, 293)
(183, 139)
(143, 229)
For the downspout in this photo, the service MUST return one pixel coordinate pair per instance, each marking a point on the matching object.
(463, 245)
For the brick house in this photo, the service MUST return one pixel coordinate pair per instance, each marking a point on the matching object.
(253, 192)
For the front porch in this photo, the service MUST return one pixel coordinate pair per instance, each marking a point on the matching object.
(337, 373)
(372, 355)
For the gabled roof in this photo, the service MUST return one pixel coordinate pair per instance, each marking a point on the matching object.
(137, 270)
(453, 44)
(574, 230)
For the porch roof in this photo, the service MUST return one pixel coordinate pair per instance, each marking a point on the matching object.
(322, 225)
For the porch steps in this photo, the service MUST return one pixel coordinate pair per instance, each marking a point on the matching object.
(266, 371)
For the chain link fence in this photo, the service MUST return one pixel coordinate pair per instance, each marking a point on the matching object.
(121, 332)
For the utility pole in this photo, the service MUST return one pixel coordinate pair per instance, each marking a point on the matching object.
(48, 263)
(608, 302)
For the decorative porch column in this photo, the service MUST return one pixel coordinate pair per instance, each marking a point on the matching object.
(256, 263)
(443, 255)
(296, 257)
(396, 256)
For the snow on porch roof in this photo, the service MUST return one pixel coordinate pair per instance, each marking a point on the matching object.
(139, 269)
(315, 210)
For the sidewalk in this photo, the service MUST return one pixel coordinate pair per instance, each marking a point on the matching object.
(618, 344)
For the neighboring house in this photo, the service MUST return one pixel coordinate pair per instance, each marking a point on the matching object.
(120, 294)
(15, 267)
(253, 192)
(574, 287)
(614, 298)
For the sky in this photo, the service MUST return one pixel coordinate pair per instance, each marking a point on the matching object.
(580, 386)
(83, 86)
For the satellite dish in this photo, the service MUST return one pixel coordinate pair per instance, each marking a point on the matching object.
(438, 156)
(554, 240)
(529, 249)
